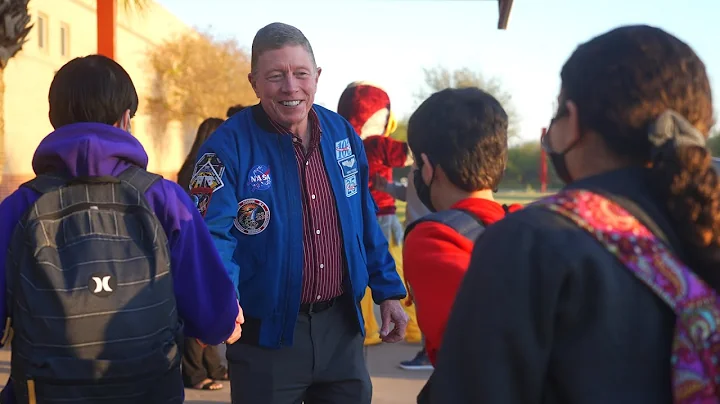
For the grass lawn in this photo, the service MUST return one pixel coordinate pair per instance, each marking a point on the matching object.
(507, 197)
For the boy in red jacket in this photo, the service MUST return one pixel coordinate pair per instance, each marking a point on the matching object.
(459, 140)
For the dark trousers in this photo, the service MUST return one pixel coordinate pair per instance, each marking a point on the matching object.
(200, 363)
(325, 364)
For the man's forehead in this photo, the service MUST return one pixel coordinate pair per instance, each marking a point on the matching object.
(287, 57)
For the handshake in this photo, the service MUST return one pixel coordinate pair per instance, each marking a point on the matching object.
(237, 332)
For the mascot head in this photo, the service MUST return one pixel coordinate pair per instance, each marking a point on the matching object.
(367, 107)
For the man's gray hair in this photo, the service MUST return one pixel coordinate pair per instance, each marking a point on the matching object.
(275, 36)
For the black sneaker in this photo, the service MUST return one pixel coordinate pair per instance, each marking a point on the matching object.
(419, 362)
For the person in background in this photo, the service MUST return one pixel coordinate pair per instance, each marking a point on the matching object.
(367, 107)
(459, 139)
(292, 216)
(607, 291)
(123, 266)
(235, 109)
(201, 364)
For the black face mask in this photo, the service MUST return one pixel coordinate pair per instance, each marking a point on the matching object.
(557, 159)
(422, 189)
(558, 162)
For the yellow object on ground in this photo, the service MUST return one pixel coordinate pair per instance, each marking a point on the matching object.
(372, 329)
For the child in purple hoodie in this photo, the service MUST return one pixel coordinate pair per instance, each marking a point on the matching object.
(92, 100)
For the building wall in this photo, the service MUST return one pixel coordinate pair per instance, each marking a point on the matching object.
(29, 74)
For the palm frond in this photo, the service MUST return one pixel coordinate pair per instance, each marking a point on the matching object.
(137, 5)
(14, 28)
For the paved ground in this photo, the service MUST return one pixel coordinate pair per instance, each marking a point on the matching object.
(390, 384)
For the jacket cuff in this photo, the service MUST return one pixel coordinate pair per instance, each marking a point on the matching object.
(398, 297)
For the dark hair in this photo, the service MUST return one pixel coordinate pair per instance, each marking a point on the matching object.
(275, 36)
(91, 89)
(206, 128)
(621, 82)
(465, 132)
(235, 109)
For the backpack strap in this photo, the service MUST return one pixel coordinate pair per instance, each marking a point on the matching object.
(695, 303)
(465, 223)
(139, 178)
(45, 183)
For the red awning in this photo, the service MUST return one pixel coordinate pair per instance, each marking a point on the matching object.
(504, 7)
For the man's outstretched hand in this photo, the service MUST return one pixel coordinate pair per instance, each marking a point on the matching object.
(237, 332)
(391, 311)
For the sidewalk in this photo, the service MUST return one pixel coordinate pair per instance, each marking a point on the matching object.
(391, 385)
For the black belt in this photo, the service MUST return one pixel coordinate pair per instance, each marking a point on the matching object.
(317, 307)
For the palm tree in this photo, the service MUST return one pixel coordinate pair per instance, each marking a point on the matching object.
(14, 28)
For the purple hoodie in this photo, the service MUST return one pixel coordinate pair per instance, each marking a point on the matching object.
(206, 298)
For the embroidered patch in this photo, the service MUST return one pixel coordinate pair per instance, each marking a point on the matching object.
(201, 197)
(259, 178)
(342, 149)
(253, 216)
(348, 165)
(208, 173)
(351, 186)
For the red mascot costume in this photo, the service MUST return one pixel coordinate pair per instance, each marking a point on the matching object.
(367, 107)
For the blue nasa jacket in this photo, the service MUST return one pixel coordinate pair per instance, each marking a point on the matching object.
(245, 164)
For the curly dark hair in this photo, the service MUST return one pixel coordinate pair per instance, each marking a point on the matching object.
(621, 82)
(464, 131)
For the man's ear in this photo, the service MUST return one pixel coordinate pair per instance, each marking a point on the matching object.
(253, 84)
(317, 75)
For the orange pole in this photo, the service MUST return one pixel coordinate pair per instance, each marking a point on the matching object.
(106, 22)
(543, 165)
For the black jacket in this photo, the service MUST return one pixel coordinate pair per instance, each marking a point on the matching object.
(546, 315)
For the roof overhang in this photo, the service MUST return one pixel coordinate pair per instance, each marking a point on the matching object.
(504, 7)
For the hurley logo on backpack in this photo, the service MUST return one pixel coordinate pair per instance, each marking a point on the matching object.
(92, 306)
(696, 342)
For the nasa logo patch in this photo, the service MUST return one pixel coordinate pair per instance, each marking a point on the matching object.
(253, 216)
(351, 186)
(259, 178)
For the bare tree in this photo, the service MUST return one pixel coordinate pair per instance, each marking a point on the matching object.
(196, 76)
(440, 78)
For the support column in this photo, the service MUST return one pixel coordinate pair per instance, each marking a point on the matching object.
(106, 23)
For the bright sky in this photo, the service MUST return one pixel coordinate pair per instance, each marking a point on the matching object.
(389, 42)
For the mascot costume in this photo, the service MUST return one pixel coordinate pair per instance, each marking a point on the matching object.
(367, 107)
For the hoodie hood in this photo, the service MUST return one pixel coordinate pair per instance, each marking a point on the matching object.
(88, 149)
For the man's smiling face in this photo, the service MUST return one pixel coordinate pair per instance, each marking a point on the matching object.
(286, 80)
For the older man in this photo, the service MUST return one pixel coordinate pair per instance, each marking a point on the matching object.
(293, 219)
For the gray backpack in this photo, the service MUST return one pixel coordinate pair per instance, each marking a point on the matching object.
(92, 312)
(464, 222)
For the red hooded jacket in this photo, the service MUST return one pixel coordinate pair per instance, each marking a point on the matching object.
(435, 258)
